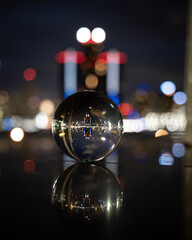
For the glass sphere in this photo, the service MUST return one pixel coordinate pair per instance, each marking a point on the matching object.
(87, 126)
(87, 193)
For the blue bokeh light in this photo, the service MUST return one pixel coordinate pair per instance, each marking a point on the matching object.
(168, 88)
(7, 124)
(180, 98)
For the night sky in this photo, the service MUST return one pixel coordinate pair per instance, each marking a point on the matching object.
(151, 33)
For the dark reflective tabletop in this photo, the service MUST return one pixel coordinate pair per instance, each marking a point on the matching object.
(141, 191)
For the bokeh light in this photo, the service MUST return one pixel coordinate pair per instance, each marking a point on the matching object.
(126, 109)
(91, 81)
(178, 150)
(7, 124)
(4, 97)
(33, 102)
(29, 166)
(17, 134)
(29, 74)
(47, 106)
(160, 133)
(98, 35)
(166, 159)
(168, 88)
(41, 120)
(100, 67)
(134, 125)
(83, 35)
(180, 98)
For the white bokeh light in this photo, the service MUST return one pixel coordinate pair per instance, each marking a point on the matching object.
(168, 88)
(41, 120)
(98, 35)
(17, 134)
(83, 35)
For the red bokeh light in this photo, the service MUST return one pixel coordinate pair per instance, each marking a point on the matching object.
(29, 166)
(126, 109)
(29, 74)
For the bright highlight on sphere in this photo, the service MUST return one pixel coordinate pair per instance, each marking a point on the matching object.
(87, 126)
(180, 98)
(17, 134)
(83, 35)
(168, 88)
(98, 35)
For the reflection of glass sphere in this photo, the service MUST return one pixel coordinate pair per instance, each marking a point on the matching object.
(85, 193)
(87, 126)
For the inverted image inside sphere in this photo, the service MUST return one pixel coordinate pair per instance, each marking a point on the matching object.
(87, 126)
(86, 192)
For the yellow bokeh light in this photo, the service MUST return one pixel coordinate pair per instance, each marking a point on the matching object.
(47, 106)
(91, 81)
(17, 134)
(160, 133)
(100, 67)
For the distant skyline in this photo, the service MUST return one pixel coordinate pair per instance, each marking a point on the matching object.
(151, 33)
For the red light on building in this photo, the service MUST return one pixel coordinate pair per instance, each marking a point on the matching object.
(29, 74)
(121, 56)
(68, 56)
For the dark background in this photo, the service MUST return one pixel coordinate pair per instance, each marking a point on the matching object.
(157, 198)
(151, 33)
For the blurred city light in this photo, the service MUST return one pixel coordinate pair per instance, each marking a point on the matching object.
(98, 35)
(166, 159)
(178, 150)
(17, 134)
(41, 120)
(33, 102)
(172, 121)
(91, 81)
(83, 35)
(29, 125)
(68, 56)
(180, 98)
(100, 67)
(160, 133)
(7, 124)
(47, 106)
(29, 74)
(29, 166)
(113, 75)
(134, 125)
(4, 97)
(126, 109)
(168, 88)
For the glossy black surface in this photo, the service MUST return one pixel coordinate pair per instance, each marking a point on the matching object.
(157, 199)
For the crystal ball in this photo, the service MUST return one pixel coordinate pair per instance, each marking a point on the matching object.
(87, 126)
(87, 193)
